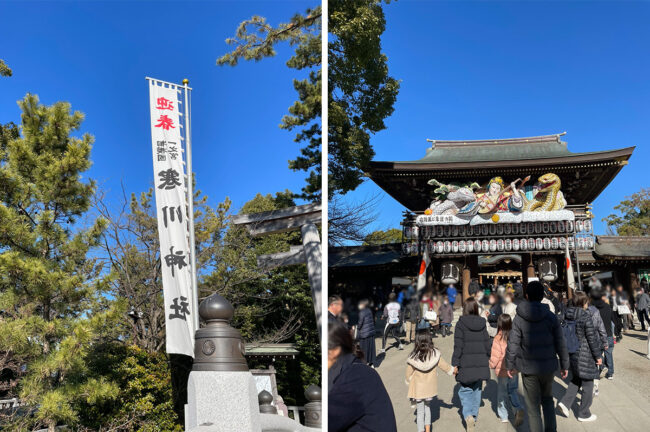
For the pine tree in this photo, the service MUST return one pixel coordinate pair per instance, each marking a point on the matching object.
(52, 311)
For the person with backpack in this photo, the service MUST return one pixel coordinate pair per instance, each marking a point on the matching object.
(422, 376)
(507, 387)
(534, 346)
(393, 316)
(584, 347)
(471, 360)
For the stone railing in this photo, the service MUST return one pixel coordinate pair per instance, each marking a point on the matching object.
(312, 409)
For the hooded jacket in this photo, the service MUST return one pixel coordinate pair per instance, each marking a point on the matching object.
(598, 325)
(536, 341)
(422, 376)
(358, 400)
(471, 349)
(583, 362)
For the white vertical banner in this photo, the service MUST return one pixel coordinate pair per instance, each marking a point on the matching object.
(171, 210)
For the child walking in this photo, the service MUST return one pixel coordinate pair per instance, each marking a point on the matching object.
(422, 376)
(507, 387)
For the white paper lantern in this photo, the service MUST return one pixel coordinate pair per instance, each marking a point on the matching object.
(500, 245)
(569, 226)
(579, 226)
(538, 227)
(415, 232)
(462, 246)
(493, 229)
(545, 227)
(515, 244)
(507, 229)
(454, 231)
(515, 228)
(562, 242)
(590, 242)
(461, 230)
(553, 227)
(561, 227)
(588, 225)
(439, 231)
(454, 246)
(581, 243)
(440, 247)
(539, 244)
(493, 245)
(470, 246)
(554, 243)
(478, 245)
(523, 244)
(531, 244)
(572, 243)
(508, 244)
(447, 246)
(469, 230)
(499, 229)
(485, 245)
(547, 243)
(485, 230)
(447, 231)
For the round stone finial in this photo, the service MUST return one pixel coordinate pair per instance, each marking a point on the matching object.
(313, 393)
(216, 308)
(265, 398)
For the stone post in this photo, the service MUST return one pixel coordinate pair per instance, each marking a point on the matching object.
(314, 408)
(221, 390)
(266, 399)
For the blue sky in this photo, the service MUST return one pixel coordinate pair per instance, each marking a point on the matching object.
(474, 70)
(96, 56)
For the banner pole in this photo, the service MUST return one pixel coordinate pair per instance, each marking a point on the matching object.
(190, 203)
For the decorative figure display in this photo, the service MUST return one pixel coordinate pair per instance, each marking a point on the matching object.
(450, 198)
(450, 273)
(546, 195)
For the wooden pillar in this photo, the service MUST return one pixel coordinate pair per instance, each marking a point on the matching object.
(496, 281)
(480, 279)
(467, 277)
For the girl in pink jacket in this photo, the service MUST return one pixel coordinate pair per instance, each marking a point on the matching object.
(507, 387)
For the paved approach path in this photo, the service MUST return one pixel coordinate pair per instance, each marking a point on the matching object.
(622, 406)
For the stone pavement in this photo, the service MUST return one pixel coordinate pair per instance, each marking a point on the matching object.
(623, 404)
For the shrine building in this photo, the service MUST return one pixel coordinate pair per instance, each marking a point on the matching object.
(462, 210)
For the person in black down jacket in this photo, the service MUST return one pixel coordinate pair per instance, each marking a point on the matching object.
(366, 333)
(534, 345)
(607, 315)
(358, 400)
(471, 359)
(584, 362)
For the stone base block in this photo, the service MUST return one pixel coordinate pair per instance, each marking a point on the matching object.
(224, 401)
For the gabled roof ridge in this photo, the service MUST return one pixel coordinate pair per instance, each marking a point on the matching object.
(498, 141)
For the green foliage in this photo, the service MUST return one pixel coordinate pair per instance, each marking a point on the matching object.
(51, 293)
(379, 237)
(5, 70)
(144, 403)
(270, 306)
(255, 39)
(633, 218)
(361, 92)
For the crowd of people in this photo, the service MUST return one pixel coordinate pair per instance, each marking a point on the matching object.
(535, 337)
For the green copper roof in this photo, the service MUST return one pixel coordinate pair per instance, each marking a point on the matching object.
(539, 147)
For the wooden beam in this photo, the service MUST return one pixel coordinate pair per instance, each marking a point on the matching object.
(275, 226)
(285, 213)
(295, 256)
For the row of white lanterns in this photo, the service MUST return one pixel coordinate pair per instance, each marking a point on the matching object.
(502, 245)
(551, 227)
